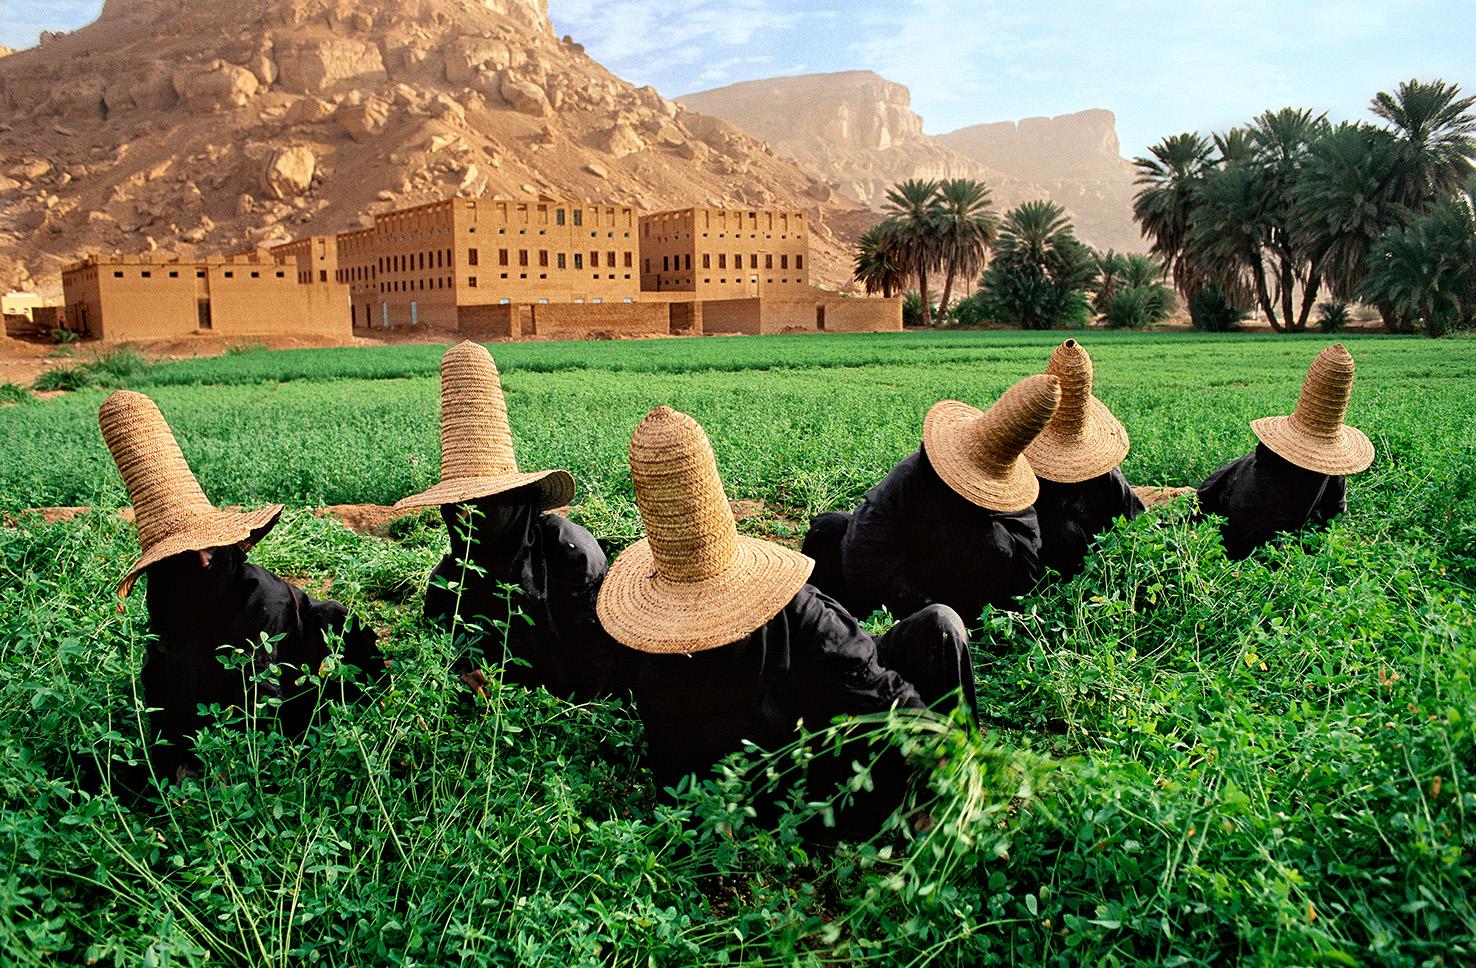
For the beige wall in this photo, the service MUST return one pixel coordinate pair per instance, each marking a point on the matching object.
(801, 315)
(726, 253)
(134, 299)
(568, 321)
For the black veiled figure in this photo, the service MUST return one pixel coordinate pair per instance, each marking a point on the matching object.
(915, 542)
(543, 631)
(812, 663)
(200, 601)
(1072, 515)
(1263, 494)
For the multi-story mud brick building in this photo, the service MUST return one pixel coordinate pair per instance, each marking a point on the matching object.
(136, 297)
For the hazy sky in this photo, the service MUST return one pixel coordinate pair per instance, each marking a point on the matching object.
(1162, 65)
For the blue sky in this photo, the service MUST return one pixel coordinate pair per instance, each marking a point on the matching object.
(1162, 66)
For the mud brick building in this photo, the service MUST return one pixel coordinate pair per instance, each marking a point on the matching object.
(427, 266)
(117, 298)
(718, 253)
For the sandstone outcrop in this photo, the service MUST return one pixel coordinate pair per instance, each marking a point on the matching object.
(224, 125)
(857, 131)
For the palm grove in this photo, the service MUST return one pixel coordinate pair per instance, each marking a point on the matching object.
(1286, 215)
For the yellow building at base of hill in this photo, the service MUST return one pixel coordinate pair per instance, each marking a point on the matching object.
(118, 298)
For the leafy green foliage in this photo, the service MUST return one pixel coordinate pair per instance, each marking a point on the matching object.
(1187, 760)
(1427, 272)
(114, 367)
(1212, 311)
(1040, 273)
(13, 393)
(1333, 316)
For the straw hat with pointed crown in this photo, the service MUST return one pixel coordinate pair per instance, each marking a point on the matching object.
(979, 454)
(693, 583)
(172, 513)
(1314, 436)
(1083, 440)
(477, 459)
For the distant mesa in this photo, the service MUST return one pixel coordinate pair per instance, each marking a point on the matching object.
(857, 130)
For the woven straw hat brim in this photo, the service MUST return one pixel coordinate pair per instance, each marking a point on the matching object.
(1100, 448)
(557, 489)
(1349, 453)
(219, 529)
(1015, 489)
(648, 613)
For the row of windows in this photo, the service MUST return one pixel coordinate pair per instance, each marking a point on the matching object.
(669, 263)
(504, 256)
(200, 274)
(705, 217)
(471, 281)
(445, 282)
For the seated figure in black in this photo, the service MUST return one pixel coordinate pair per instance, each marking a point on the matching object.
(1295, 476)
(1076, 458)
(735, 647)
(519, 584)
(953, 523)
(202, 594)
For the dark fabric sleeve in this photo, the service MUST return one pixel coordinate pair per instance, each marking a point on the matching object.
(1214, 492)
(1019, 534)
(1332, 503)
(596, 664)
(836, 667)
(440, 601)
(878, 546)
(1129, 504)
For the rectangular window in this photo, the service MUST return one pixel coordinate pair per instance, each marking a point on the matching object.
(523, 257)
(594, 260)
(473, 257)
(665, 263)
(543, 258)
(610, 259)
(322, 275)
(784, 262)
(578, 258)
(630, 257)
(471, 282)
(768, 261)
(722, 260)
(579, 216)
(753, 260)
(799, 262)
(706, 261)
(559, 216)
(502, 257)
(147, 275)
(561, 261)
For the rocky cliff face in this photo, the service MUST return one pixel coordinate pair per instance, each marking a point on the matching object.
(217, 125)
(857, 131)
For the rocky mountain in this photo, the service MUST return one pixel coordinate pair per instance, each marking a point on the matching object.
(216, 126)
(857, 131)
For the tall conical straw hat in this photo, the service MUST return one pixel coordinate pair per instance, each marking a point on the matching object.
(477, 458)
(172, 513)
(1314, 436)
(980, 453)
(1083, 440)
(694, 583)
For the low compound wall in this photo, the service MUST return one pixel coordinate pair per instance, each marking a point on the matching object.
(810, 314)
(594, 320)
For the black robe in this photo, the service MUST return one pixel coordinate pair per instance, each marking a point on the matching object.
(916, 542)
(812, 662)
(556, 568)
(194, 610)
(1263, 494)
(1072, 515)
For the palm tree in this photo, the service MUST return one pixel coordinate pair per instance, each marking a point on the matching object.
(1227, 236)
(878, 264)
(1110, 266)
(968, 227)
(1436, 130)
(1170, 179)
(916, 216)
(1427, 270)
(1345, 199)
(1040, 269)
(1283, 141)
